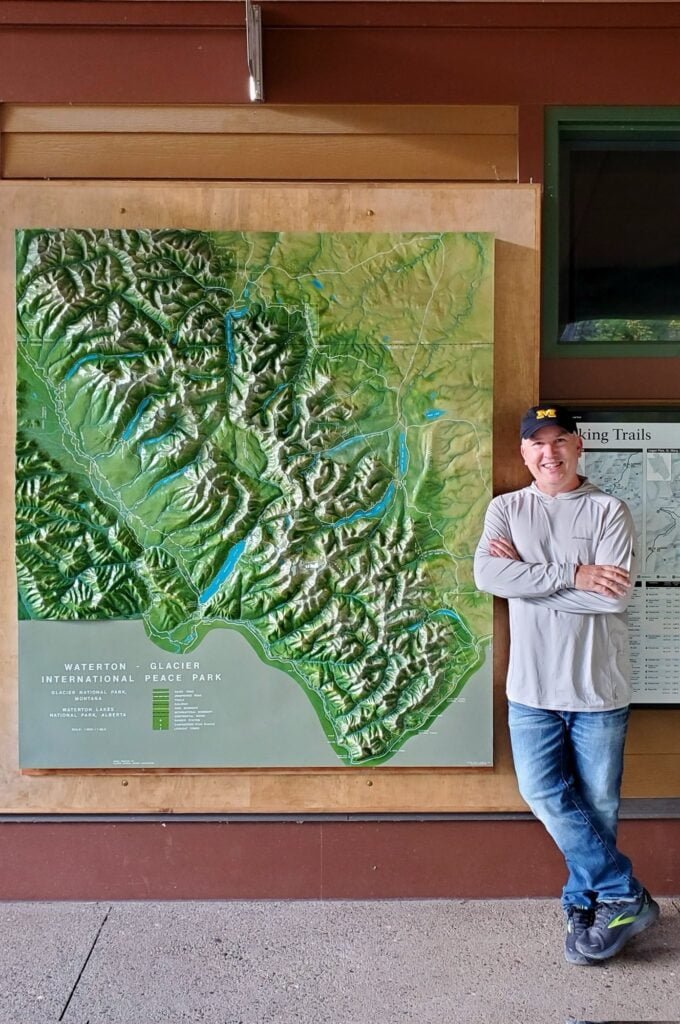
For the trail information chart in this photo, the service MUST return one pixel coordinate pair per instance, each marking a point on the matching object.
(640, 462)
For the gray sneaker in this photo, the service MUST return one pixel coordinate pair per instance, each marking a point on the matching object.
(614, 924)
(579, 920)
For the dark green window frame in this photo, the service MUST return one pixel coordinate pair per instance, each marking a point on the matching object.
(591, 124)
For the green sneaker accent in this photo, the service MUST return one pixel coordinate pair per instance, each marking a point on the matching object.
(618, 921)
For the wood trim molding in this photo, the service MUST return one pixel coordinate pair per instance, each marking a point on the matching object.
(325, 119)
(272, 157)
(332, 142)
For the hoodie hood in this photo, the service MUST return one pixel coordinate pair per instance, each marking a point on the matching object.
(578, 492)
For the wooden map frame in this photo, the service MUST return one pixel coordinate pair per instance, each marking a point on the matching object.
(512, 213)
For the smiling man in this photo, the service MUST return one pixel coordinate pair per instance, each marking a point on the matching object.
(562, 552)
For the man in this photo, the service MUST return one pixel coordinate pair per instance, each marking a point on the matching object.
(562, 552)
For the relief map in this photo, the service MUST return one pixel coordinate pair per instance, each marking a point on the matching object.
(283, 434)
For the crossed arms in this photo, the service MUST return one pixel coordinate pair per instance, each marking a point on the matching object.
(600, 588)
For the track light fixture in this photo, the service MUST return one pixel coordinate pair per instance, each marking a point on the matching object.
(254, 51)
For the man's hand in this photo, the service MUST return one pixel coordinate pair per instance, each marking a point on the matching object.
(602, 579)
(503, 549)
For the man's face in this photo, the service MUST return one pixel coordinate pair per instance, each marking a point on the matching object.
(551, 456)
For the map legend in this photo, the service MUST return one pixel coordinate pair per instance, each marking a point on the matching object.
(160, 702)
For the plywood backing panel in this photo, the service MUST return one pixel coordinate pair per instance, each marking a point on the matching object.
(511, 212)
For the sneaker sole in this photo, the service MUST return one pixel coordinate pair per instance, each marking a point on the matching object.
(579, 960)
(638, 926)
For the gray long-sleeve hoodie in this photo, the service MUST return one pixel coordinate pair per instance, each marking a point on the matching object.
(568, 647)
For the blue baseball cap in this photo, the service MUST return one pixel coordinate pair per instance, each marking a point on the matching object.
(546, 416)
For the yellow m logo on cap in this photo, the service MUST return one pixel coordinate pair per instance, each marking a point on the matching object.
(542, 414)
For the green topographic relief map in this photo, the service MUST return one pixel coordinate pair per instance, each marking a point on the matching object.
(283, 434)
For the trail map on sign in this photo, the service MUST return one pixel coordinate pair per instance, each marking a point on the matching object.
(639, 461)
(283, 435)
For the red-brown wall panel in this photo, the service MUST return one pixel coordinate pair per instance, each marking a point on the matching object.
(633, 381)
(438, 65)
(118, 65)
(348, 13)
(311, 860)
(525, 59)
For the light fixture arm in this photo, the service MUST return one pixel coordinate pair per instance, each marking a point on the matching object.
(254, 51)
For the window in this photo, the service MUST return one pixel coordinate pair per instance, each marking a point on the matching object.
(612, 232)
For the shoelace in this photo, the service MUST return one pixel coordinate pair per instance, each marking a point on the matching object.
(581, 917)
(604, 912)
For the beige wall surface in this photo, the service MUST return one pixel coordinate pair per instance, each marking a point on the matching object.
(282, 143)
(511, 213)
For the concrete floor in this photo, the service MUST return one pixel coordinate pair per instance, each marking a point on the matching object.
(393, 962)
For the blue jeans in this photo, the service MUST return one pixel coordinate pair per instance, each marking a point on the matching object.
(569, 766)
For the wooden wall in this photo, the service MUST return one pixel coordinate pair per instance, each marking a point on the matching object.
(85, 142)
(382, 92)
